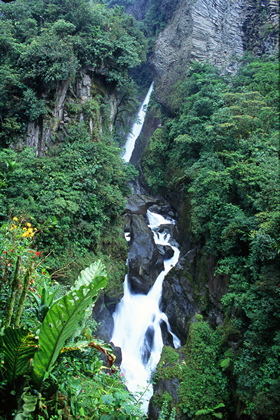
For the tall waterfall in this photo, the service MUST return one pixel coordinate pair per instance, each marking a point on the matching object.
(138, 318)
(137, 126)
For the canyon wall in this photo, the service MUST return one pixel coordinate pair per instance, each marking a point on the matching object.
(203, 31)
(213, 31)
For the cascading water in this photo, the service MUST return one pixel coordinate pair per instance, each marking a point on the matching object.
(137, 323)
(137, 127)
(138, 318)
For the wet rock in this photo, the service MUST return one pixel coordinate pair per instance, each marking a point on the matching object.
(138, 204)
(164, 209)
(155, 208)
(166, 251)
(144, 260)
(102, 314)
(166, 336)
(190, 288)
(166, 383)
(178, 295)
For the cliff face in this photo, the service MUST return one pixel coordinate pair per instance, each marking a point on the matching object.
(42, 134)
(261, 26)
(201, 31)
(213, 31)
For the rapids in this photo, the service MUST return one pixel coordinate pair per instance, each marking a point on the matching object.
(137, 323)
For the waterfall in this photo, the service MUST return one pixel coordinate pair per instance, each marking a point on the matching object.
(137, 127)
(138, 318)
(137, 323)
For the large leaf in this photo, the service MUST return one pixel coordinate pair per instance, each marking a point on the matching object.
(18, 347)
(86, 276)
(60, 323)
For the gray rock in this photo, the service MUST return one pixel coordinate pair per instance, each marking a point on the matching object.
(144, 260)
(166, 251)
(102, 314)
(203, 31)
(138, 204)
(178, 295)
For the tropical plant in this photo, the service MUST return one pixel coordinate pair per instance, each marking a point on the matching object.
(19, 346)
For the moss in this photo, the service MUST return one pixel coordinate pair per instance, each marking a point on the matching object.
(184, 223)
(204, 384)
(169, 365)
(153, 157)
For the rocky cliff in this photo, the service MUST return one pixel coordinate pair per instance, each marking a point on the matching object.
(43, 133)
(215, 31)
(201, 31)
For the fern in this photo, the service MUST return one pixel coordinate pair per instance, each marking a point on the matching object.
(18, 347)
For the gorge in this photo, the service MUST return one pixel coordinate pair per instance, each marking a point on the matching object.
(73, 75)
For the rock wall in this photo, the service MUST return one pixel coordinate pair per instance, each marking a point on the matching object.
(42, 134)
(261, 26)
(201, 30)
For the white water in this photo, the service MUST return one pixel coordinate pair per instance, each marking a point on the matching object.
(137, 127)
(138, 317)
(137, 322)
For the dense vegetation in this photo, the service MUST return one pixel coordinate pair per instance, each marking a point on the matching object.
(218, 150)
(61, 205)
(75, 190)
(51, 325)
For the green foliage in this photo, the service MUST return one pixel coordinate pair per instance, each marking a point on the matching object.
(29, 404)
(202, 352)
(82, 185)
(165, 413)
(45, 44)
(72, 370)
(43, 301)
(62, 319)
(152, 160)
(220, 154)
(203, 413)
(154, 14)
(76, 193)
(94, 390)
(21, 272)
(194, 368)
(18, 347)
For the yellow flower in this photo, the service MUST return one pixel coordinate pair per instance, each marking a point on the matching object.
(13, 226)
(15, 219)
(28, 225)
(30, 230)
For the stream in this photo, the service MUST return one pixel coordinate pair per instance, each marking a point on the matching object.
(138, 318)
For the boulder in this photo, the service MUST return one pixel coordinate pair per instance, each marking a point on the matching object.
(144, 260)
(103, 314)
(138, 204)
(178, 301)
(166, 251)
